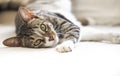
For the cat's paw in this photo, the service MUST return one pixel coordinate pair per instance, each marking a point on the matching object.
(65, 47)
(115, 38)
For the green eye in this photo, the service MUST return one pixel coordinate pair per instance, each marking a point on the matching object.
(43, 27)
(37, 42)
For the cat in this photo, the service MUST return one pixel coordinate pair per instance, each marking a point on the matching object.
(42, 25)
(48, 23)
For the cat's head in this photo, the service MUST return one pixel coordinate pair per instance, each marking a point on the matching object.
(36, 32)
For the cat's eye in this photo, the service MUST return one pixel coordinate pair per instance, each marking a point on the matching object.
(37, 42)
(43, 27)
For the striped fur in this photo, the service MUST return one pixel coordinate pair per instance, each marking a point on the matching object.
(40, 24)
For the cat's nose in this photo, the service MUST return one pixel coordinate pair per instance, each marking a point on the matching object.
(51, 37)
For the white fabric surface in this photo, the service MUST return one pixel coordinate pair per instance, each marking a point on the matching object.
(87, 59)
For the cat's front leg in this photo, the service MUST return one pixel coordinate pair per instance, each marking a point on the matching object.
(66, 46)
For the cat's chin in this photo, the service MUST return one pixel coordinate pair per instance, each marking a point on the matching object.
(51, 43)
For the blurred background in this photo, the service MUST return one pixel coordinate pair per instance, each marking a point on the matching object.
(102, 11)
(97, 12)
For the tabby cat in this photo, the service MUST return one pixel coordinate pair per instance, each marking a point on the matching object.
(41, 24)
(50, 23)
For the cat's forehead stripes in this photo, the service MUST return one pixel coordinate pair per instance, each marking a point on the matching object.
(38, 33)
(35, 21)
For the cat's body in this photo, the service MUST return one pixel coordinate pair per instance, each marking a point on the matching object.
(64, 29)
(45, 24)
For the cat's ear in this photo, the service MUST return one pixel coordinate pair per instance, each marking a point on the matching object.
(26, 14)
(13, 42)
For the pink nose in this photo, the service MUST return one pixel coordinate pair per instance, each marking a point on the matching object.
(51, 37)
